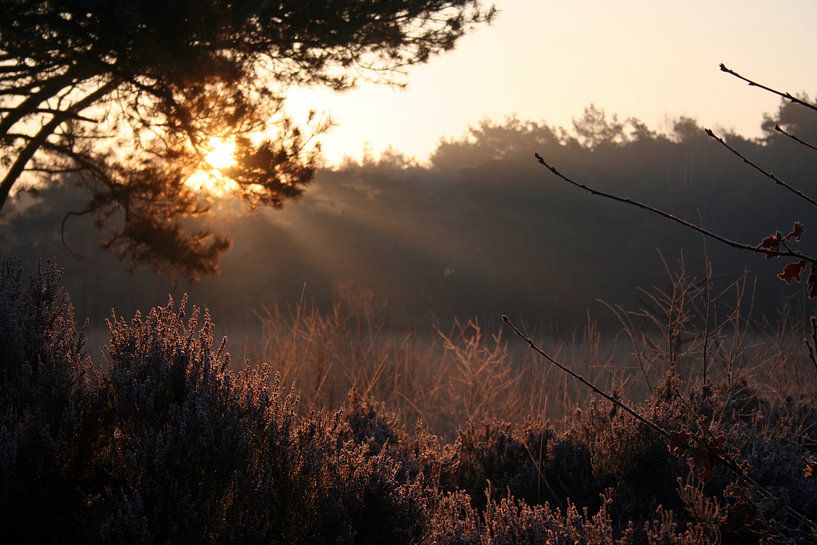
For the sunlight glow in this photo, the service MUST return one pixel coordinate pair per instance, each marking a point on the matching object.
(220, 154)
(652, 60)
(213, 182)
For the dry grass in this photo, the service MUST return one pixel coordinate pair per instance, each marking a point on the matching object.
(441, 379)
(696, 327)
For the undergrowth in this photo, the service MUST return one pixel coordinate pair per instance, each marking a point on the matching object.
(349, 434)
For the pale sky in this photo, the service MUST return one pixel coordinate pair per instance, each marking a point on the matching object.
(545, 60)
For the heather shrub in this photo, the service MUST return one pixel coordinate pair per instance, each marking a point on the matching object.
(49, 423)
(645, 470)
(706, 515)
(630, 457)
(354, 497)
(507, 521)
(529, 462)
(205, 456)
(180, 431)
(165, 442)
(370, 423)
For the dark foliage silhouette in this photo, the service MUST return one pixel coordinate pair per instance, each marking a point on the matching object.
(127, 95)
(49, 433)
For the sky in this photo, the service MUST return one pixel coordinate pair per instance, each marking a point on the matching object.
(546, 60)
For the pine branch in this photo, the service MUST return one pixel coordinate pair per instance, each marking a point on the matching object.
(55, 111)
(39, 139)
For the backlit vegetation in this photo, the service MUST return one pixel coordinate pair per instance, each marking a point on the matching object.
(166, 441)
(338, 430)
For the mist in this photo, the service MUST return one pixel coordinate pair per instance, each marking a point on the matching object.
(483, 230)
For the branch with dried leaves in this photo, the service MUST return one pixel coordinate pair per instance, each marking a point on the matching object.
(677, 441)
(759, 249)
(775, 244)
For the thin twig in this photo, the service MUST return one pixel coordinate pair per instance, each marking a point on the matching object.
(44, 170)
(722, 459)
(708, 297)
(655, 427)
(812, 346)
(629, 328)
(754, 165)
(786, 95)
(65, 218)
(795, 138)
(720, 238)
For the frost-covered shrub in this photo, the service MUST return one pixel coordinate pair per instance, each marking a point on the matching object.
(50, 475)
(203, 455)
(528, 461)
(509, 522)
(372, 424)
(181, 431)
(165, 443)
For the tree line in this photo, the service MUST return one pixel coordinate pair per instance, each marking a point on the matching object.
(479, 231)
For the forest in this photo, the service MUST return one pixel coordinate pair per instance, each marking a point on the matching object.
(483, 230)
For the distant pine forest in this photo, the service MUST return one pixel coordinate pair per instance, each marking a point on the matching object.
(481, 230)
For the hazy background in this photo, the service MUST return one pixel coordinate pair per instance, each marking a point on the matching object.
(440, 221)
(482, 230)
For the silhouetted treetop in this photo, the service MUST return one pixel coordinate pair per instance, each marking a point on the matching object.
(129, 95)
(477, 232)
(792, 117)
(180, 43)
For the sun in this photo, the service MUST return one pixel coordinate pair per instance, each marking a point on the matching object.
(219, 154)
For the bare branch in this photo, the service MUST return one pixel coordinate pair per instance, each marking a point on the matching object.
(723, 459)
(53, 170)
(65, 218)
(715, 236)
(812, 346)
(795, 138)
(755, 166)
(613, 399)
(786, 95)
